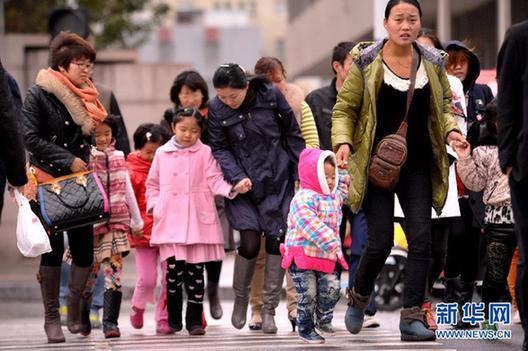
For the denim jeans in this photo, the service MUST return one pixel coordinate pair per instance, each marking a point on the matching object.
(317, 295)
(415, 194)
(359, 232)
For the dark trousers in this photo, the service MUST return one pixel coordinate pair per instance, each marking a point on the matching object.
(81, 247)
(463, 246)
(501, 245)
(359, 232)
(440, 232)
(414, 192)
(3, 181)
(519, 191)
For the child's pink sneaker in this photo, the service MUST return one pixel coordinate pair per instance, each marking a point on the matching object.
(136, 317)
(162, 327)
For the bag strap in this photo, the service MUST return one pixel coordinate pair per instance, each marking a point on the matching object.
(402, 130)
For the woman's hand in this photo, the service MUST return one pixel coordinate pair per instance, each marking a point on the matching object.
(462, 148)
(455, 136)
(342, 156)
(243, 186)
(78, 165)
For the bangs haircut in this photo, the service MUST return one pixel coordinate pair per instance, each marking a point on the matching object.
(66, 47)
(194, 81)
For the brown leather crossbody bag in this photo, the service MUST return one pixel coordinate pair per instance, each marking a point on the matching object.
(391, 152)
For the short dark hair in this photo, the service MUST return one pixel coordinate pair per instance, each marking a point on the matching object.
(393, 3)
(267, 65)
(112, 122)
(194, 81)
(66, 47)
(230, 75)
(340, 53)
(430, 34)
(490, 114)
(187, 112)
(149, 132)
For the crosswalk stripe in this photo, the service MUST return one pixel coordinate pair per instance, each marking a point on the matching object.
(222, 338)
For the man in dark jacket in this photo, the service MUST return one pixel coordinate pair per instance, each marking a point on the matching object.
(322, 100)
(12, 155)
(512, 73)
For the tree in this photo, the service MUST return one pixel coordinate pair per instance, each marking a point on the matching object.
(120, 23)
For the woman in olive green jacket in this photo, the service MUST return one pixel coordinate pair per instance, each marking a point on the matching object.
(370, 106)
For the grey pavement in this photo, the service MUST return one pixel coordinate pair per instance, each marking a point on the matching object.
(21, 318)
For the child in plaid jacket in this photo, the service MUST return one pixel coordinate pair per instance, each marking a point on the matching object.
(313, 248)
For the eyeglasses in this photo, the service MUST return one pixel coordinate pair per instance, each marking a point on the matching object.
(196, 93)
(84, 66)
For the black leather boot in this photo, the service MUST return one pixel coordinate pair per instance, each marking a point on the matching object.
(193, 318)
(112, 305)
(174, 308)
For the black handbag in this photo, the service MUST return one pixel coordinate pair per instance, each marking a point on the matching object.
(72, 201)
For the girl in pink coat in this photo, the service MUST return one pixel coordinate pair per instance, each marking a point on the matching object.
(181, 185)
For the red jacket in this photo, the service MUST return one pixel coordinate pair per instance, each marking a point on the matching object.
(138, 170)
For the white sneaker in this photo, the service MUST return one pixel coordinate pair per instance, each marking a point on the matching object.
(370, 322)
(516, 317)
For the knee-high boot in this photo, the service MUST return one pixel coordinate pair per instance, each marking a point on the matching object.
(242, 275)
(273, 278)
(78, 278)
(49, 279)
(112, 306)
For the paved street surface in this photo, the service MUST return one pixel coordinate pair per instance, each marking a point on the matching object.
(21, 329)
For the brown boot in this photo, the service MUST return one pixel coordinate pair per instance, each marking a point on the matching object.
(49, 279)
(214, 300)
(78, 278)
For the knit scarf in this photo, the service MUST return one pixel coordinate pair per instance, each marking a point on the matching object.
(88, 95)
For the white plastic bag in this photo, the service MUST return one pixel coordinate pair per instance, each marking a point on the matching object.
(32, 239)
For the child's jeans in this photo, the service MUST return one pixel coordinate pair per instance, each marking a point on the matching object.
(146, 278)
(317, 295)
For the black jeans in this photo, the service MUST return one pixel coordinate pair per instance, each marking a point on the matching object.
(81, 247)
(519, 189)
(414, 192)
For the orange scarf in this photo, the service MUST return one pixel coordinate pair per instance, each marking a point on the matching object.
(87, 94)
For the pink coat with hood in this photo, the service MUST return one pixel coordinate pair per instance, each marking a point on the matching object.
(312, 240)
(180, 193)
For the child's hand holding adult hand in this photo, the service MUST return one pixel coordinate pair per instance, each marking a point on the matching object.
(462, 148)
(137, 234)
(243, 186)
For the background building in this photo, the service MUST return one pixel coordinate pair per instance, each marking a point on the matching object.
(315, 26)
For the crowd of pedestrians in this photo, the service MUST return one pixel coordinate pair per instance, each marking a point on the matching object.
(258, 158)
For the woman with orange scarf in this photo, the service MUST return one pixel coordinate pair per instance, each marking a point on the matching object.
(59, 115)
